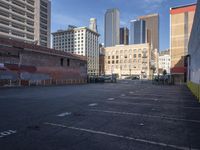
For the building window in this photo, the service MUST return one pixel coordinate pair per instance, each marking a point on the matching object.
(68, 62)
(61, 61)
(113, 57)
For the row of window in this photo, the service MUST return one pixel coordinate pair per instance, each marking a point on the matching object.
(127, 61)
(126, 56)
(127, 51)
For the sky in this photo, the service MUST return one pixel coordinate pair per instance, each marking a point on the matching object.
(78, 13)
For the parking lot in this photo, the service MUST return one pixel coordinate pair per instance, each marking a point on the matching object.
(127, 115)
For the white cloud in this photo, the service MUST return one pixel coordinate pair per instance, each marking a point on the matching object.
(152, 5)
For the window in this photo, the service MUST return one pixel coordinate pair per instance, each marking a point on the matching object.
(61, 61)
(113, 57)
(68, 62)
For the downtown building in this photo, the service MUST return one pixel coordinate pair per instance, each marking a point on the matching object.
(146, 30)
(137, 32)
(124, 36)
(28, 21)
(111, 27)
(181, 21)
(81, 41)
(193, 70)
(152, 29)
(128, 60)
(164, 61)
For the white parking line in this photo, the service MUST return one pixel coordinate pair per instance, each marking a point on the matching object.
(93, 104)
(7, 133)
(64, 114)
(120, 136)
(123, 95)
(148, 116)
(111, 99)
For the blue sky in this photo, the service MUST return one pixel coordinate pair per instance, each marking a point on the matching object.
(78, 12)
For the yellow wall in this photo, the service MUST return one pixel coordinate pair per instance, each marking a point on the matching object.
(195, 89)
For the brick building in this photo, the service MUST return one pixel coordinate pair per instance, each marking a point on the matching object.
(22, 63)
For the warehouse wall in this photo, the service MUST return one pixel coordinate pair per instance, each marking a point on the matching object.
(194, 55)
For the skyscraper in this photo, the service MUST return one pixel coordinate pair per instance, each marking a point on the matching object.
(137, 32)
(152, 29)
(124, 36)
(181, 21)
(27, 21)
(111, 25)
(93, 24)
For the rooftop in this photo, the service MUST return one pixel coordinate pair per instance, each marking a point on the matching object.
(13, 44)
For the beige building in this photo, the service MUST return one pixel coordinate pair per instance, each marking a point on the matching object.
(152, 27)
(152, 36)
(26, 20)
(181, 19)
(128, 60)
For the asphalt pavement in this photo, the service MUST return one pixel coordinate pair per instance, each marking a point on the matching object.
(127, 115)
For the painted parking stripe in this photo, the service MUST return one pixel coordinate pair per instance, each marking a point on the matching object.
(93, 104)
(148, 116)
(123, 95)
(7, 133)
(64, 114)
(120, 136)
(111, 99)
(147, 104)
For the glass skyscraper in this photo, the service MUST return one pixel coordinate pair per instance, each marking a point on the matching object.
(112, 27)
(137, 32)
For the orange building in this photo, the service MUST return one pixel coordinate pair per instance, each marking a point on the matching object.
(181, 21)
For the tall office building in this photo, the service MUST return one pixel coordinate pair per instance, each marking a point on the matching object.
(82, 41)
(28, 21)
(181, 21)
(137, 32)
(93, 24)
(152, 29)
(124, 36)
(112, 26)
